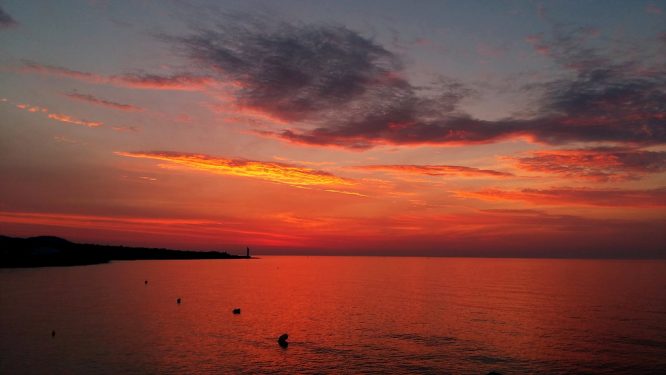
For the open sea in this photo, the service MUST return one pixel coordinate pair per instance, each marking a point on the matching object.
(344, 315)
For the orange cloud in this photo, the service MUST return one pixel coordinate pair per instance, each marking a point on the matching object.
(578, 197)
(436, 170)
(270, 171)
(71, 120)
(31, 108)
(185, 82)
(58, 116)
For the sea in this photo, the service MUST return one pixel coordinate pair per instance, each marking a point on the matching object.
(343, 315)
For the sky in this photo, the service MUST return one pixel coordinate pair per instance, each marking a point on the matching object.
(429, 128)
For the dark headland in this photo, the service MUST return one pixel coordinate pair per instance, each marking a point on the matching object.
(48, 251)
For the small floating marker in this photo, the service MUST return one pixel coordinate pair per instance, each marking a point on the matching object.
(236, 311)
(178, 300)
(282, 340)
(53, 333)
(145, 282)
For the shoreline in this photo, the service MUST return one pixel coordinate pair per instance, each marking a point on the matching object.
(48, 251)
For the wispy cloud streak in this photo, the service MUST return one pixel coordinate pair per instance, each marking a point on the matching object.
(61, 117)
(102, 102)
(31, 108)
(269, 171)
(650, 198)
(183, 81)
(73, 120)
(436, 170)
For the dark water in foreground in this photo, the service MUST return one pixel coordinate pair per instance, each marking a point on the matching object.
(343, 315)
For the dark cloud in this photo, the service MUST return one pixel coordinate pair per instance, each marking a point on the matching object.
(6, 20)
(329, 76)
(618, 97)
(293, 71)
(339, 88)
(612, 102)
(598, 164)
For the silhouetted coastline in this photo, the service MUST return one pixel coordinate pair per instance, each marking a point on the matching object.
(49, 251)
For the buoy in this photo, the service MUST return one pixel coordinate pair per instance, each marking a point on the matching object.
(178, 301)
(282, 340)
(145, 282)
(236, 311)
(53, 333)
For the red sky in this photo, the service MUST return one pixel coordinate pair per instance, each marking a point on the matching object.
(451, 129)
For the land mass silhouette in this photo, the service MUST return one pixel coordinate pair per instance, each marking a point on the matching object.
(49, 251)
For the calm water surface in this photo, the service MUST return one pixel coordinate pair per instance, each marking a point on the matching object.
(343, 315)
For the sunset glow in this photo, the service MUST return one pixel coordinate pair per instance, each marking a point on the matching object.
(331, 128)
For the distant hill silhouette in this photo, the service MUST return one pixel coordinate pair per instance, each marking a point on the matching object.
(45, 251)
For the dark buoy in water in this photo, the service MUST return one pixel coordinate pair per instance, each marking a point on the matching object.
(236, 311)
(178, 301)
(282, 340)
(145, 282)
(53, 333)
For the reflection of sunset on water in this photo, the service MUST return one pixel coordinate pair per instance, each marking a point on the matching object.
(342, 315)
